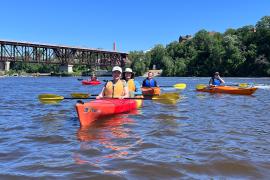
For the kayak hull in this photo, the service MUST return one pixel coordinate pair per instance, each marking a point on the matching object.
(93, 110)
(229, 90)
(150, 91)
(86, 82)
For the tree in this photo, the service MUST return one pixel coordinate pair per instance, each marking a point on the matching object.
(232, 56)
(167, 66)
(137, 59)
(157, 54)
(180, 67)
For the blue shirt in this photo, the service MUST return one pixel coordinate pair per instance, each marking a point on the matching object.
(149, 83)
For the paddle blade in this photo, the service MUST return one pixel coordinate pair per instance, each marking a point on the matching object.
(180, 86)
(243, 85)
(80, 95)
(167, 98)
(201, 86)
(50, 98)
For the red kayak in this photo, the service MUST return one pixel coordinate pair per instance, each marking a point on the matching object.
(93, 110)
(87, 82)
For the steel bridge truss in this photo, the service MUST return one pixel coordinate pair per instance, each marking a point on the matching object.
(50, 54)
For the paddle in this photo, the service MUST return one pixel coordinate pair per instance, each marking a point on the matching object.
(243, 85)
(168, 98)
(82, 95)
(85, 95)
(201, 86)
(177, 86)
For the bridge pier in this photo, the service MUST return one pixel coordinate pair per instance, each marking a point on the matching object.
(4, 66)
(67, 68)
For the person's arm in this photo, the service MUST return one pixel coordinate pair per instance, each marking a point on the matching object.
(155, 82)
(221, 80)
(138, 90)
(101, 94)
(211, 82)
(126, 95)
(143, 84)
(126, 91)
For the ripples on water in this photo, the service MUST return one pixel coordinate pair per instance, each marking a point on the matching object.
(201, 137)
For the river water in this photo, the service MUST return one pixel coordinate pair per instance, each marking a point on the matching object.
(203, 136)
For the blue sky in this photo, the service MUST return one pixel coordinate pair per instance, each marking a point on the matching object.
(133, 25)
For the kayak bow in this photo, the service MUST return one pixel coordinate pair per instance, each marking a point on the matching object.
(93, 110)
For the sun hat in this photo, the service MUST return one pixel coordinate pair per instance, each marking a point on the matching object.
(117, 68)
(128, 70)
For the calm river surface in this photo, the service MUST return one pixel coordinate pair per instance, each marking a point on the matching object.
(203, 136)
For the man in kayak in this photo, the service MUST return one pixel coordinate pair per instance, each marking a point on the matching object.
(216, 80)
(149, 81)
(115, 88)
(133, 86)
(94, 78)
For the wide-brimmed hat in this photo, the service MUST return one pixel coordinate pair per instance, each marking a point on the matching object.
(129, 70)
(117, 68)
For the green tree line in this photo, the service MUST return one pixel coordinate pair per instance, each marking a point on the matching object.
(236, 52)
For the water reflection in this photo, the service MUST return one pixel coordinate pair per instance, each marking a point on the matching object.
(111, 137)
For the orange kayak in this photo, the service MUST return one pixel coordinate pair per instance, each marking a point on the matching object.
(91, 111)
(150, 91)
(229, 90)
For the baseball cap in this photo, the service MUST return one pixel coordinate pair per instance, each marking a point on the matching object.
(117, 68)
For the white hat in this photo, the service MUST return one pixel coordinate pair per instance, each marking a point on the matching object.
(117, 68)
(128, 70)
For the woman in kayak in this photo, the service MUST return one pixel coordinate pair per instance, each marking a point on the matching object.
(133, 86)
(216, 80)
(115, 88)
(149, 81)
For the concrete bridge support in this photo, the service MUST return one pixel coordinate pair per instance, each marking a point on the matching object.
(4, 66)
(67, 68)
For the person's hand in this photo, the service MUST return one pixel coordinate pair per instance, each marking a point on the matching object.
(121, 97)
(98, 97)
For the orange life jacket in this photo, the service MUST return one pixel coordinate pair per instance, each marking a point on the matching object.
(114, 90)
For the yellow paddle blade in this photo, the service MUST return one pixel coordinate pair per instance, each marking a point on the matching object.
(50, 98)
(173, 95)
(80, 95)
(167, 98)
(201, 86)
(243, 85)
(180, 86)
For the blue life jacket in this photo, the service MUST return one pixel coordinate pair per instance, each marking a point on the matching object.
(216, 82)
(149, 83)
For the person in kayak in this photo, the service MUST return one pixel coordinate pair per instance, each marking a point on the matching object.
(133, 86)
(216, 80)
(115, 88)
(93, 78)
(149, 81)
